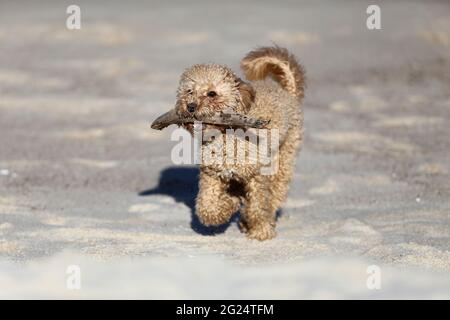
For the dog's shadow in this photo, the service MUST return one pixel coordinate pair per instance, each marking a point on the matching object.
(181, 183)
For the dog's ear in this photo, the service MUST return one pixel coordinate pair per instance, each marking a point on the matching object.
(247, 94)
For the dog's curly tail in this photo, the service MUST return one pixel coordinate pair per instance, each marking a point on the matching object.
(280, 64)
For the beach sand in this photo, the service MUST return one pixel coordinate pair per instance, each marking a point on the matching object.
(84, 178)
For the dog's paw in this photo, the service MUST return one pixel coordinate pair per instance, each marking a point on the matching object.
(209, 220)
(261, 232)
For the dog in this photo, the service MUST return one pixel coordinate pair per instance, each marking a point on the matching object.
(273, 90)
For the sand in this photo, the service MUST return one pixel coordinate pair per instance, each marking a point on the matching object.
(83, 177)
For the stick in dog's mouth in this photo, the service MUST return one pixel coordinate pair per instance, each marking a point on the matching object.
(218, 119)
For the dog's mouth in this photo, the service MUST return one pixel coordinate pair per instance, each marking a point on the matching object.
(219, 120)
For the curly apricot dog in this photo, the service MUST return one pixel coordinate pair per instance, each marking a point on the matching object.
(209, 88)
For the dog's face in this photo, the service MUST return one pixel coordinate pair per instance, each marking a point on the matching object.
(208, 88)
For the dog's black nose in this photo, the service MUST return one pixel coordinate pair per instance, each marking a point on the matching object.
(191, 107)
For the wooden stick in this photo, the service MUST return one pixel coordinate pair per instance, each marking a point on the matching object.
(220, 118)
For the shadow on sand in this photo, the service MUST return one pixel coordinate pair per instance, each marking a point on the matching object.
(181, 183)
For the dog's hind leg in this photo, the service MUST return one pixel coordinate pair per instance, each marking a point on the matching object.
(265, 194)
(214, 205)
(257, 220)
(280, 181)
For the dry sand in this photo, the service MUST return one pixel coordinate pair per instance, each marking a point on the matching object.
(80, 169)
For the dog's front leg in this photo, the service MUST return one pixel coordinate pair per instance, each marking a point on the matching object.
(257, 219)
(214, 205)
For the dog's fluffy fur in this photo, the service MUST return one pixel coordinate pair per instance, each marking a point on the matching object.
(224, 188)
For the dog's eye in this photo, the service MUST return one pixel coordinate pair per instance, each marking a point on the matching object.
(189, 91)
(212, 94)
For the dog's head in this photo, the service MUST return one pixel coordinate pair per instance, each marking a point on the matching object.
(208, 88)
